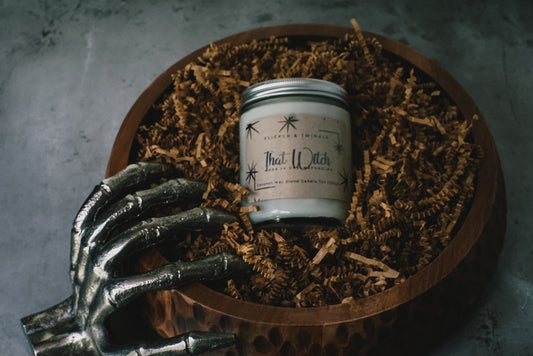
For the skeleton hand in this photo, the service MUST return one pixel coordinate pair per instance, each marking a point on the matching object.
(76, 325)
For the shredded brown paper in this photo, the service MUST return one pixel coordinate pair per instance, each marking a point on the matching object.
(414, 168)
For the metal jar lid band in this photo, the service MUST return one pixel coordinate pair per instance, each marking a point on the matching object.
(293, 86)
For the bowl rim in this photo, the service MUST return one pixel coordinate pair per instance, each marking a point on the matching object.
(462, 243)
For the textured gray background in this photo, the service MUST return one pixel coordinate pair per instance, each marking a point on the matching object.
(70, 71)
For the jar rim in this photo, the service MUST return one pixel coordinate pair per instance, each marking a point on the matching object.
(294, 86)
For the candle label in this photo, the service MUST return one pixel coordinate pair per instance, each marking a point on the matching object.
(297, 156)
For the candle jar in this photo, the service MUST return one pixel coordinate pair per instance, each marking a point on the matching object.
(295, 150)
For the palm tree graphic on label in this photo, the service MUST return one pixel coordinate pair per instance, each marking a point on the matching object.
(344, 179)
(250, 129)
(251, 173)
(288, 122)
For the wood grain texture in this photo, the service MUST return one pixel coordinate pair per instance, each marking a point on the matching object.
(405, 319)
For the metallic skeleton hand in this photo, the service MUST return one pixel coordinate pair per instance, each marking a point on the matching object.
(76, 325)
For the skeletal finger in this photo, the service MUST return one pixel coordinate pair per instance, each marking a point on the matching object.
(48, 318)
(191, 343)
(173, 192)
(173, 275)
(131, 178)
(159, 230)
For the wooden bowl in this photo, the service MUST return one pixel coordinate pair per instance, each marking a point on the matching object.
(405, 319)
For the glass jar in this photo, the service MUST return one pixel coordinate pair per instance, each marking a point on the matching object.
(295, 150)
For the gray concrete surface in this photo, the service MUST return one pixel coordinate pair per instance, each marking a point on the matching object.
(70, 70)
